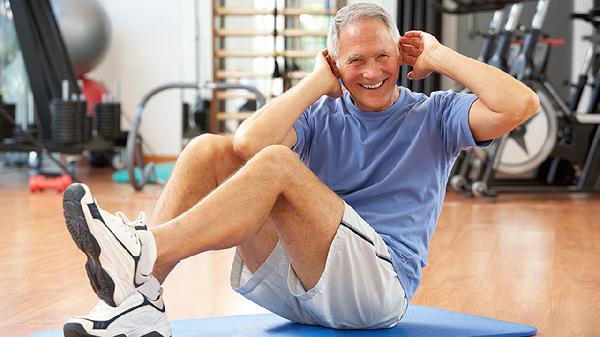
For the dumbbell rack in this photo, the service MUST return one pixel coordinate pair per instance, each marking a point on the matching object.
(49, 70)
(62, 125)
(46, 61)
(287, 50)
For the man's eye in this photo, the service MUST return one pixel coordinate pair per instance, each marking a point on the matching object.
(383, 57)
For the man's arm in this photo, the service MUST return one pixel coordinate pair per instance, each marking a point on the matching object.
(503, 103)
(273, 123)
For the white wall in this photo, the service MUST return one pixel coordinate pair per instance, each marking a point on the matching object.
(153, 43)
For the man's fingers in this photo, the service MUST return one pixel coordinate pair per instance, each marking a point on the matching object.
(324, 54)
(412, 76)
(332, 66)
(411, 41)
(328, 59)
(411, 50)
(413, 33)
(409, 59)
(412, 46)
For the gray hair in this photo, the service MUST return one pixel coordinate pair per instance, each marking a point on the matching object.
(353, 13)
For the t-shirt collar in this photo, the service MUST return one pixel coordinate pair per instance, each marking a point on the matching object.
(354, 110)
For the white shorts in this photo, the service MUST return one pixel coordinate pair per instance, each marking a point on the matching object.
(359, 288)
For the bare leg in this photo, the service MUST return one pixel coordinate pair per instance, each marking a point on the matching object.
(274, 184)
(204, 164)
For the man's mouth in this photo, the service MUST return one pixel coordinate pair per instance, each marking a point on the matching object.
(372, 86)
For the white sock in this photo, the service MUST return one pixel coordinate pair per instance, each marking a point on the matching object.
(151, 288)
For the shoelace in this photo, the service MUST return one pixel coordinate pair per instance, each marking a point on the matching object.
(130, 225)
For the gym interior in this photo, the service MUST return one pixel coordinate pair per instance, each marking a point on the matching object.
(109, 93)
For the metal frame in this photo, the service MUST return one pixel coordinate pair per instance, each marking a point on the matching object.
(579, 148)
(45, 56)
(472, 6)
(133, 148)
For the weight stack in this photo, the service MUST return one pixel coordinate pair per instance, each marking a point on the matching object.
(107, 120)
(6, 126)
(69, 122)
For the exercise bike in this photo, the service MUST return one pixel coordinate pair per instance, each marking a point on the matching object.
(566, 160)
(469, 165)
(486, 52)
(472, 6)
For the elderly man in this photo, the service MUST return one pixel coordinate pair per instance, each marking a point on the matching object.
(330, 196)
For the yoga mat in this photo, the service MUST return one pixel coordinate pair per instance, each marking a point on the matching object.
(163, 172)
(419, 321)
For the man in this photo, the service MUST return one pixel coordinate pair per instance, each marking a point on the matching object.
(337, 237)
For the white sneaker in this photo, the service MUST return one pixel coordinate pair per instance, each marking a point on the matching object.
(120, 253)
(138, 316)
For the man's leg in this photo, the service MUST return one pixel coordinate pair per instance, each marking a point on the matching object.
(206, 162)
(274, 184)
(273, 196)
(305, 218)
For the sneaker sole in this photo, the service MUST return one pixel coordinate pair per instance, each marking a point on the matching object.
(77, 330)
(100, 280)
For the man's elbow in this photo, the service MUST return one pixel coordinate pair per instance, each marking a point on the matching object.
(244, 146)
(529, 106)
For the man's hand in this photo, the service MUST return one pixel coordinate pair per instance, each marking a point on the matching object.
(415, 49)
(492, 114)
(327, 71)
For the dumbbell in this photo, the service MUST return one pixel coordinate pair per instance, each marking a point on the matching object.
(41, 183)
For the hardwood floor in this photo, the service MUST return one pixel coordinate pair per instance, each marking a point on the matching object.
(533, 259)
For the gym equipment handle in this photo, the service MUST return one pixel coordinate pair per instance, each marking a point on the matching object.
(147, 170)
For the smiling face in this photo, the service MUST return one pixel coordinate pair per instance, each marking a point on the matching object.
(369, 64)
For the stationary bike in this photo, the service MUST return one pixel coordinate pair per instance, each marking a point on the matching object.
(567, 159)
(470, 163)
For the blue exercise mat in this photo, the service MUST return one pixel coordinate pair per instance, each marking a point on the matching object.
(162, 173)
(419, 321)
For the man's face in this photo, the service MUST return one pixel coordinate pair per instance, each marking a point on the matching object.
(369, 62)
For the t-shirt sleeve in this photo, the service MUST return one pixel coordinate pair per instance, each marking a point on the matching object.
(304, 131)
(452, 110)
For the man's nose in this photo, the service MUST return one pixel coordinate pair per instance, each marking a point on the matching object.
(371, 70)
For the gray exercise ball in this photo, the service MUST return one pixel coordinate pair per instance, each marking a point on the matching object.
(86, 32)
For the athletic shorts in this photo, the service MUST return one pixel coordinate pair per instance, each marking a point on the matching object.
(359, 288)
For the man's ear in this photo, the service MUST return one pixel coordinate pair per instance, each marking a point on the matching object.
(400, 58)
(333, 66)
(335, 69)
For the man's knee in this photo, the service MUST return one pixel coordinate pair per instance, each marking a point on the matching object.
(279, 154)
(209, 143)
(215, 147)
(213, 152)
(278, 157)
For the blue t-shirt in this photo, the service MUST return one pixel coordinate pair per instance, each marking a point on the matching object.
(391, 166)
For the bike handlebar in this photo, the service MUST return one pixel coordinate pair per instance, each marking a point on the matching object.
(471, 6)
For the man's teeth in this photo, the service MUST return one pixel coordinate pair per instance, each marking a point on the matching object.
(372, 86)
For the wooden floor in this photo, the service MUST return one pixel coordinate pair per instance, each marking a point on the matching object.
(533, 259)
